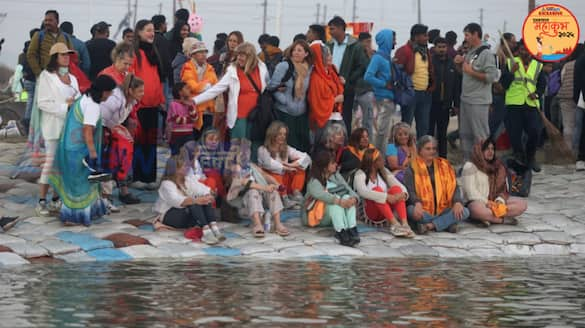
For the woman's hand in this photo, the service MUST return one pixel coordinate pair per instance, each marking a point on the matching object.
(270, 188)
(418, 210)
(339, 99)
(458, 211)
(203, 200)
(70, 101)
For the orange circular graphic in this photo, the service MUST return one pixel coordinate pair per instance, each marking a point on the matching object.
(550, 32)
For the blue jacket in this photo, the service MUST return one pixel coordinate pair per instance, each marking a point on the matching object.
(285, 101)
(83, 54)
(379, 71)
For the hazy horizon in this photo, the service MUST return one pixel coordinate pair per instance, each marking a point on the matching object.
(246, 16)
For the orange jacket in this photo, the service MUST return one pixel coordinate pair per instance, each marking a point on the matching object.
(189, 76)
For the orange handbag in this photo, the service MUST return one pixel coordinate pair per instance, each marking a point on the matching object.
(315, 212)
(498, 209)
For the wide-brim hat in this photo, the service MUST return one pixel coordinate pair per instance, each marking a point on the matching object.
(60, 48)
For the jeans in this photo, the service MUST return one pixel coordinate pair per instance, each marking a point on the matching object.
(366, 103)
(29, 87)
(419, 110)
(581, 155)
(523, 120)
(439, 122)
(497, 116)
(473, 126)
(442, 221)
(194, 215)
(386, 109)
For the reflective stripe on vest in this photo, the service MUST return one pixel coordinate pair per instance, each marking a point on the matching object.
(524, 83)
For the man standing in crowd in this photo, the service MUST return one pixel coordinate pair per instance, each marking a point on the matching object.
(479, 72)
(415, 59)
(79, 46)
(128, 35)
(526, 84)
(271, 55)
(446, 94)
(100, 49)
(37, 54)
(316, 32)
(351, 61)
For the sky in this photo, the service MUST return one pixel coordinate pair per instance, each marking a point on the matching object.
(285, 17)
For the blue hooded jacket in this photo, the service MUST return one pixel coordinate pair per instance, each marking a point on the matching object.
(379, 71)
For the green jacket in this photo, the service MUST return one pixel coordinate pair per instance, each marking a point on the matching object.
(354, 63)
(37, 54)
(316, 190)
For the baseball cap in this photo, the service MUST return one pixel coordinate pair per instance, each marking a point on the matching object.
(198, 47)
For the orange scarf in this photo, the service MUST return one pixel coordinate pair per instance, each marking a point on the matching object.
(324, 87)
(445, 184)
(357, 152)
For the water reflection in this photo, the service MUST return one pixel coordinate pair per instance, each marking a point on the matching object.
(217, 293)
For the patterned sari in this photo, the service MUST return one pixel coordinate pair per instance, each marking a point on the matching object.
(81, 200)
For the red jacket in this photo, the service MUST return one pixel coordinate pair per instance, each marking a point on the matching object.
(153, 91)
(405, 57)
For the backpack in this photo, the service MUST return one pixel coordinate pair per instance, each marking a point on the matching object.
(401, 85)
(272, 62)
(262, 115)
(287, 76)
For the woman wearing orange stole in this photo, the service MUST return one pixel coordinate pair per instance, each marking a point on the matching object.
(435, 200)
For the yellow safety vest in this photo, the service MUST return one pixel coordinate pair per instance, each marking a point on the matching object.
(524, 83)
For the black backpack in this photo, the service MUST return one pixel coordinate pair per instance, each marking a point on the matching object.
(262, 115)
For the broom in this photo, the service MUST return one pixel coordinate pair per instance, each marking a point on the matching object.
(561, 152)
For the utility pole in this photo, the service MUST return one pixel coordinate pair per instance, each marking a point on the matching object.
(160, 8)
(418, 12)
(279, 5)
(135, 11)
(505, 26)
(481, 17)
(353, 11)
(531, 5)
(265, 4)
(324, 14)
(317, 16)
(174, 11)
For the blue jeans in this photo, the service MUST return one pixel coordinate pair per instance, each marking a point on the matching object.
(366, 103)
(441, 221)
(420, 110)
(29, 87)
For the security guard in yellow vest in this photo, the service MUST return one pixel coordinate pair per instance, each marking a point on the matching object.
(526, 83)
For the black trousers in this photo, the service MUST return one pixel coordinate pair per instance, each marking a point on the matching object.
(520, 120)
(194, 215)
(438, 124)
(348, 100)
(581, 156)
(144, 162)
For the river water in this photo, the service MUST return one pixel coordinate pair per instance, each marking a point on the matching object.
(535, 292)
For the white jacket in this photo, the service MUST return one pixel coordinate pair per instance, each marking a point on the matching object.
(476, 184)
(274, 165)
(230, 81)
(360, 186)
(52, 104)
(115, 110)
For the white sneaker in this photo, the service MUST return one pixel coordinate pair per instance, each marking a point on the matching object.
(55, 206)
(217, 232)
(580, 166)
(42, 209)
(138, 185)
(152, 186)
(110, 206)
(209, 238)
(10, 130)
(288, 203)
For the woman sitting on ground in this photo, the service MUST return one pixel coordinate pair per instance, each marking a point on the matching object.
(284, 163)
(382, 193)
(400, 150)
(486, 190)
(332, 138)
(250, 189)
(330, 201)
(183, 202)
(352, 155)
(434, 202)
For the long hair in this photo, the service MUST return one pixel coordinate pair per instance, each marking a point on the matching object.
(53, 64)
(321, 161)
(399, 126)
(131, 82)
(174, 163)
(288, 52)
(177, 30)
(331, 130)
(238, 36)
(251, 59)
(140, 26)
(271, 134)
(368, 162)
(356, 135)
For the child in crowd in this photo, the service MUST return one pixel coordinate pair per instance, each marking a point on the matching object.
(400, 150)
(180, 117)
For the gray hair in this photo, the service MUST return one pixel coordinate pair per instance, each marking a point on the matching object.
(331, 129)
(398, 126)
(425, 140)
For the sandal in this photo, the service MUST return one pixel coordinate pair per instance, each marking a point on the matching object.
(397, 231)
(282, 232)
(258, 232)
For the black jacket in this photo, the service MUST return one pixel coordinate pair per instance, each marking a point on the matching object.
(162, 46)
(447, 82)
(579, 79)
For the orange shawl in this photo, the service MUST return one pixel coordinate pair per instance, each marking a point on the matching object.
(359, 153)
(435, 202)
(324, 86)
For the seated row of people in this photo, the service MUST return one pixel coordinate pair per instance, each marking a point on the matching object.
(427, 199)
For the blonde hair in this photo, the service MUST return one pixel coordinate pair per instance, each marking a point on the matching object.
(271, 135)
(249, 50)
(120, 50)
(131, 82)
(188, 44)
(399, 126)
(174, 163)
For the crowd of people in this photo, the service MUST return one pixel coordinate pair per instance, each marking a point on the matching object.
(252, 134)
